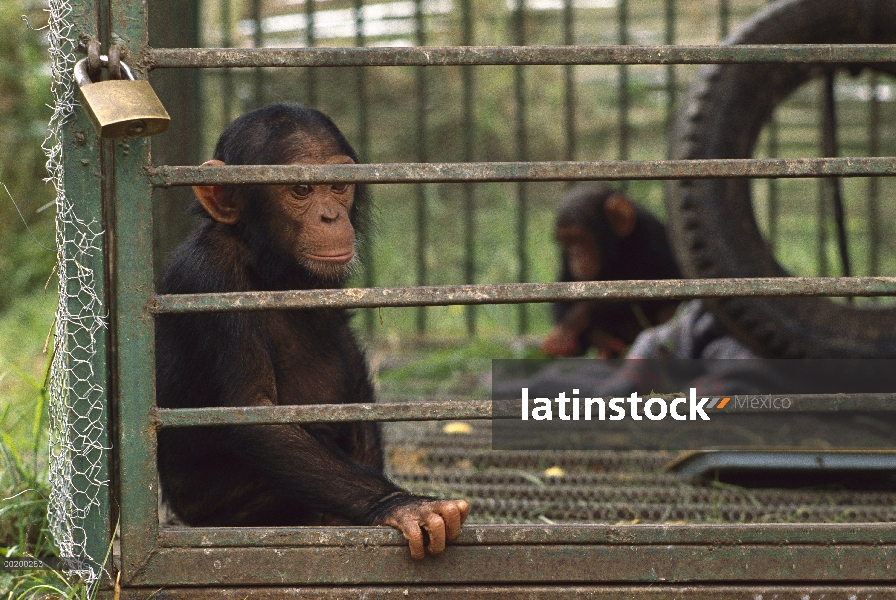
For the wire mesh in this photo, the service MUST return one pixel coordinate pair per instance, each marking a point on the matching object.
(76, 451)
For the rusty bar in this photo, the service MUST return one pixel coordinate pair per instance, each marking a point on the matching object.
(558, 591)
(569, 89)
(365, 249)
(821, 232)
(831, 148)
(522, 155)
(724, 18)
(310, 42)
(512, 293)
(531, 563)
(623, 102)
(161, 58)
(773, 196)
(325, 413)
(573, 535)
(165, 176)
(87, 343)
(468, 137)
(226, 8)
(456, 410)
(821, 235)
(258, 80)
(875, 237)
(422, 156)
(671, 81)
(131, 236)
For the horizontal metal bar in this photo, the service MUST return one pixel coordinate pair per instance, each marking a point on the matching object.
(531, 563)
(166, 176)
(551, 591)
(499, 535)
(325, 413)
(458, 409)
(516, 293)
(427, 56)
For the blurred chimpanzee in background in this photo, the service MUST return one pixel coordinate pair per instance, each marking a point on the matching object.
(605, 236)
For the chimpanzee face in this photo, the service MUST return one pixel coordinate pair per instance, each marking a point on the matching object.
(581, 251)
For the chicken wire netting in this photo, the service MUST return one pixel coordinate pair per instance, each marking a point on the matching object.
(77, 429)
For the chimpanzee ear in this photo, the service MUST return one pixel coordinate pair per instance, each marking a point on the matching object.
(621, 214)
(218, 201)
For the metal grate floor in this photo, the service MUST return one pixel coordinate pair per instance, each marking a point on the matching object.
(601, 486)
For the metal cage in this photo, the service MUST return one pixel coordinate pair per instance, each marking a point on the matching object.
(600, 561)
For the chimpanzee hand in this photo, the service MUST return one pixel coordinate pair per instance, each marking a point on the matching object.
(441, 519)
(562, 342)
(608, 346)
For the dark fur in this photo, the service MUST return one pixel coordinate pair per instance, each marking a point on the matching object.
(644, 254)
(264, 475)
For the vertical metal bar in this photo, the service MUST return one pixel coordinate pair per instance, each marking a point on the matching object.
(874, 228)
(773, 184)
(365, 248)
(258, 42)
(227, 74)
(671, 82)
(85, 342)
(131, 235)
(724, 18)
(829, 140)
(522, 145)
(623, 89)
(310, 42)
(469, 126)
(822, 233)
(821, 240)
(422, 156)
(569, 82)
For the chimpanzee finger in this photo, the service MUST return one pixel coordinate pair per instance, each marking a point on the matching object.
(414, 535)
(435, 526)
(464, 508)
(453, 518)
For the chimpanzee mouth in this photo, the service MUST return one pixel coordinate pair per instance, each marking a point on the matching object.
(335, 258)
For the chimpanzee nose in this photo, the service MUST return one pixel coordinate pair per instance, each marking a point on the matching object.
(328, 215)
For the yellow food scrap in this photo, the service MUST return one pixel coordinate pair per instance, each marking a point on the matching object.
(457, 428)
(554, 472)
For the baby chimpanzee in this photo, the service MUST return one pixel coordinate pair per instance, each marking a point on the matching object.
(277, 237)
(605, 236)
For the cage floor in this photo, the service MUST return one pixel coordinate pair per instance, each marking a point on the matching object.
(603, 486)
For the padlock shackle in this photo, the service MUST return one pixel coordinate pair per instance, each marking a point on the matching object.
(82, 78)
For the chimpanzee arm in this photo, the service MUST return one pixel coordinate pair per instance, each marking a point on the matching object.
(306, 464)
(567, 338)
(319, 474)
(314, 471)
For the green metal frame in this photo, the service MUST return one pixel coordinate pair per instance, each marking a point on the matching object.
(487, 561)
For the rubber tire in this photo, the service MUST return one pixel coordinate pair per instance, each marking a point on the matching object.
(713, 230)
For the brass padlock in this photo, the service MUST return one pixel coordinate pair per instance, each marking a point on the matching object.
(121, 108)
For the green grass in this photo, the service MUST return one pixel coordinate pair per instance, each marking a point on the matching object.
(24, 364)
(24, 346)
(459, 368)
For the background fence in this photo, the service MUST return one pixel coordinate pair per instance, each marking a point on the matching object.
(429, 234)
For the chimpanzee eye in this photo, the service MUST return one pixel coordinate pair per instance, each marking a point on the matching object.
(302, 190)
(339, 188)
